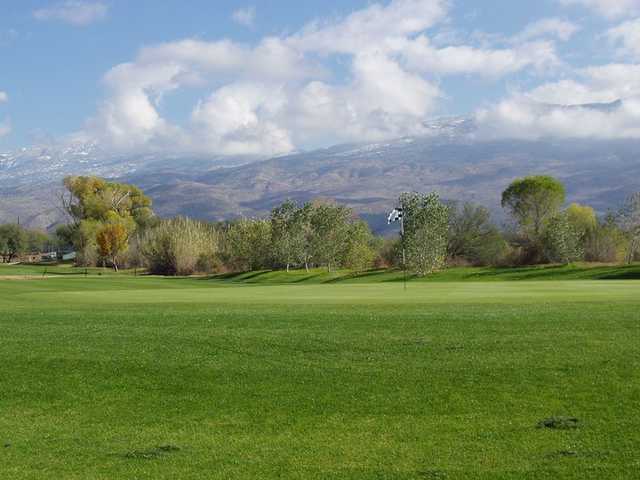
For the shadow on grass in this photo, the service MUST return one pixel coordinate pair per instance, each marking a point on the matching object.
(533, 273)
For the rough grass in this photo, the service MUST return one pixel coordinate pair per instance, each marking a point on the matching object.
(148, 378)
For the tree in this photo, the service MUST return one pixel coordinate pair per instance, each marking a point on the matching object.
(426, 225)
(92, 202)
(38, 242)
(606, 242)
(330, 231)
(473, 236)
(562, 241)
(112, 240)
(629, 219)
(248, 244)
(303, 240)
(286, 234)
(13, 241)
(533, 201)
(359, 252)
(582, 218)
(92, 198)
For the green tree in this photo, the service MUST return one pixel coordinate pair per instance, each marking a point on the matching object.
(287, 234)
(606, 242)
(472, 235)
(303, 240)
(330, 231)
(92, 202)
(533, 202)
(563, 242)
(582, 218)
(13, 242)
(359, 252)
(92, 198)
(248, 244)
(629, 219)
(38, 242)
(426, 226)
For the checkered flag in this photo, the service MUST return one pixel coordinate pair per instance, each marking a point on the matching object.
(395, 216)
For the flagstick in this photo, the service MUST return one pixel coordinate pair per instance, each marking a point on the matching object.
(404, 256)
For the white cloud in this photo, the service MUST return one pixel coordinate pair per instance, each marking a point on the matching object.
(421, 55)
(243, 119)
(75, 12)
(245, 16)
(555, 27)
(520, 118)
(5, 125)
(601, 84)
(279, 94)
(566, 108)
(627, 37)
(377, 26)
(608, 8)
(5, 128)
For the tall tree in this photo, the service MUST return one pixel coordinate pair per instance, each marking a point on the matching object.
(359, 253)
(286, 233)
(248, 244)
(92, 198)
(582, 218)
(473, 236)
(426, 226)
(629, 217)
(113, 241)
(330, 224)
(303, 240)
(92, 203)
(563, 241)
(533, 201)
(13, 242)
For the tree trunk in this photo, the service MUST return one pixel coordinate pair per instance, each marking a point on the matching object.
(287, 268)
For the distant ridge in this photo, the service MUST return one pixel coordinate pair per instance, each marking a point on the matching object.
(366, 176)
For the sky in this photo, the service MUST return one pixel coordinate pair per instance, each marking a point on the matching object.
(260, 77)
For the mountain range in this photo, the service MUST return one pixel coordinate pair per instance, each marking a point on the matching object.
(448, 159)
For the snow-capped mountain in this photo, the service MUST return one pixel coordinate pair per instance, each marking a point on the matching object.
(368, 177)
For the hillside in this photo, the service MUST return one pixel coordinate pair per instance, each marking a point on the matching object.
(367, 177)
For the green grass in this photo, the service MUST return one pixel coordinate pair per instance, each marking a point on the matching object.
(113, 376)
(320, 276)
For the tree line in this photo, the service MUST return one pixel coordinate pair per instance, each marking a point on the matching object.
(112, 224)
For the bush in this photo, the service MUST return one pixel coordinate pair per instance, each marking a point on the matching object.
(179, 247)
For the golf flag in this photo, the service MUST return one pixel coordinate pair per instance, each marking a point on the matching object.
(395, 216)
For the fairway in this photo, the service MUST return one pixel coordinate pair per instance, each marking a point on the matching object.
(128, 377)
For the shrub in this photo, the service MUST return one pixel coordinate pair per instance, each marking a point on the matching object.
(179, 247)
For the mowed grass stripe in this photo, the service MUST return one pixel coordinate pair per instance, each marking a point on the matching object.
(318, 381)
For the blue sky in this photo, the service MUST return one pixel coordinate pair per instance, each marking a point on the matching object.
(266, 77)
